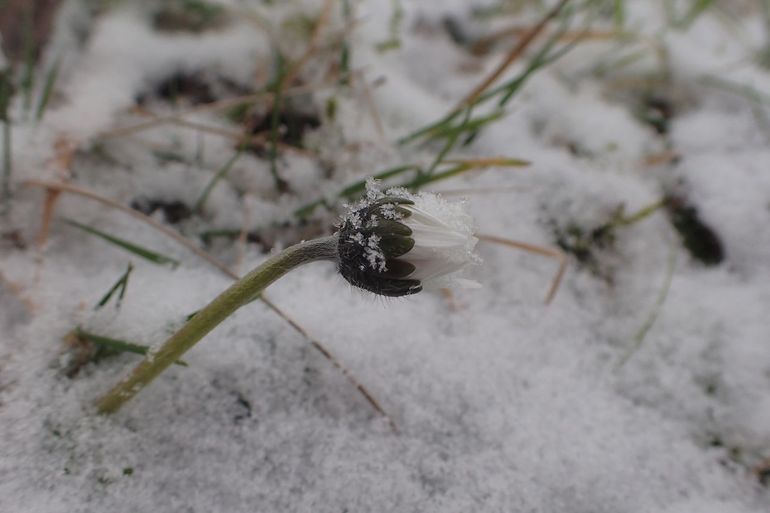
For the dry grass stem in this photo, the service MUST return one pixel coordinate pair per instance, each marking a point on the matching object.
(483, 44)
(539, 250)
(370, 105)
(481, 190)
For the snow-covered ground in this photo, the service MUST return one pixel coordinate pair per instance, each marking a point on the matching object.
(643, 387)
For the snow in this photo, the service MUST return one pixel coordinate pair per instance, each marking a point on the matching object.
(500, 402)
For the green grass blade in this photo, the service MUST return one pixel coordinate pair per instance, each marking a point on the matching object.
(544, 56)
(345, 50)
(470, 126)
(118, 346)
(275, 121)
(45, 95)
(653, 315)
(425, 179)
(619, 14)
(215, 179)
(436, 125)
(28, 75)
(451, 140)
(147, 254)
(119, 286)
(6, 92)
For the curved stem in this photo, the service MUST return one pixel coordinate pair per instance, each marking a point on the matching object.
(240, 293)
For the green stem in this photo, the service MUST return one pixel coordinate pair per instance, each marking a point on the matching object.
(240, 293)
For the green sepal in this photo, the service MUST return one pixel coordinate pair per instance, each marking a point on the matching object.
(390, 200)
(398, 268)
(394, 246)
(387, 227)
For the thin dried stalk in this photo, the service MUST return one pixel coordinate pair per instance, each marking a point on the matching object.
(539, 250)
(371, 106)
(662, 158)
(483, 44)
(481, 190)
(49, 205)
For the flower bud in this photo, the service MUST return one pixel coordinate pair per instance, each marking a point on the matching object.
(396, 244)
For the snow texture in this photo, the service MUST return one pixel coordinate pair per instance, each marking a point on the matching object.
(501, 404)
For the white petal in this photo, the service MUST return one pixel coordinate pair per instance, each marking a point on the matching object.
(443, 238)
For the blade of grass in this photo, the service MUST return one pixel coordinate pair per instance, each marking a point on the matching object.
(28, 75)
(345, 51)
(215, 179)
(471, 125)
(512, 56)
(545, 56)
(451, 140)
(118, 346)
(6, 92)
(424, 179)
(120, 286)
(208, 235)
(490, 162)
(542, 59)
(619, 14)
(653, 315)
(275, 117)
(45, 95)
(639, 215)
(137, 250)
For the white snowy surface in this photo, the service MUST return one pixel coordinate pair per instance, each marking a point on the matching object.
(501, 404)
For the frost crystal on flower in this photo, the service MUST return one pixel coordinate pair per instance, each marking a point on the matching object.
(397, 243)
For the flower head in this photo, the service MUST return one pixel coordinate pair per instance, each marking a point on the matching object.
(395, 244)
